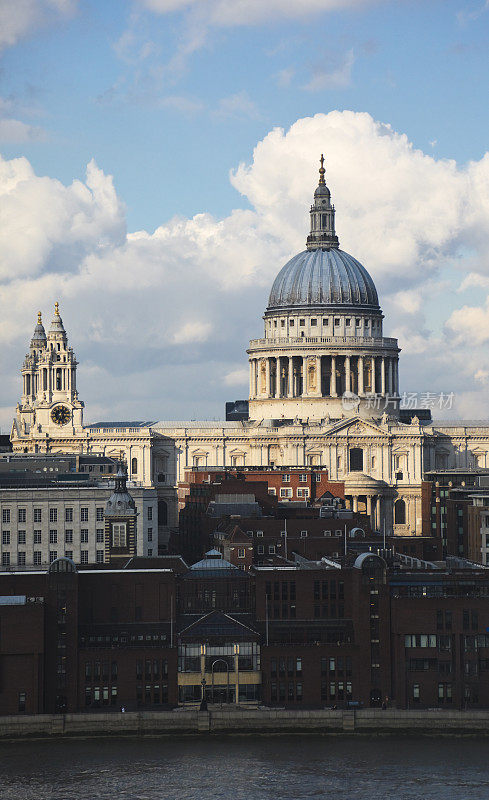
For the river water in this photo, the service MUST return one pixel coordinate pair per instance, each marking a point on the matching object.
(246, 768)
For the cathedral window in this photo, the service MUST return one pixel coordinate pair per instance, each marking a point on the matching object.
(326, 321)
(134, 466)
(356, 459)
(400, 512)
(302, 322)
(314, 322)
(347, 322)
(337, 321)
(162, 512)
(119, 534)
(58, 380)
(292, 323)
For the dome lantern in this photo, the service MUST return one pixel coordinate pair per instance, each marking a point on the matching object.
(322, 213)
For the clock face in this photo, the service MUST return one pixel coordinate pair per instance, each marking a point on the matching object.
(61, 415)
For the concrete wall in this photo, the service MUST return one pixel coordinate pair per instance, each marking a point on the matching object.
(252, 720)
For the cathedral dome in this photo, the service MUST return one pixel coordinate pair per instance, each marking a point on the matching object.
(323, 277)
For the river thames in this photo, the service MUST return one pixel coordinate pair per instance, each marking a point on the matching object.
(246, 768)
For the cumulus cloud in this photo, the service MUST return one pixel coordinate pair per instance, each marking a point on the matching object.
(167, 314)
(24, 16)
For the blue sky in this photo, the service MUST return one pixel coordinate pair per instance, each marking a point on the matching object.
(169, 137)
(168, 97)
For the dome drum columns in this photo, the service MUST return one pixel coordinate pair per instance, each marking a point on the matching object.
(319, 376)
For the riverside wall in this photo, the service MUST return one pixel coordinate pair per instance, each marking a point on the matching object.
(246, 721)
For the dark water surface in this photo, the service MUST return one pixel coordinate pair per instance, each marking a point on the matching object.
(246, 768)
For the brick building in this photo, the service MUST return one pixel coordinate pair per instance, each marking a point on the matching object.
(330, 632)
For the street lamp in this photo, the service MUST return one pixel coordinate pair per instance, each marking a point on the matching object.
(203, 702)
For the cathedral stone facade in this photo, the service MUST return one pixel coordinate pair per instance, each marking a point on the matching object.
(324, 391)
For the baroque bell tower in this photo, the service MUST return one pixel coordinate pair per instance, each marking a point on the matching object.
(49, 408)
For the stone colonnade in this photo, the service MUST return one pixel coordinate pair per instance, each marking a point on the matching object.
(323, 376)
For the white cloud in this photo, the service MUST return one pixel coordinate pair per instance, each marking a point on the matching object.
(237, 105)
(337, 78)
(228, 13)
(13, 130)
(284, 77)
(22, 17)
(238, 377)
(192, 332)
(167, 314)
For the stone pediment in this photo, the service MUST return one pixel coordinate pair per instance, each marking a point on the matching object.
(357, 427)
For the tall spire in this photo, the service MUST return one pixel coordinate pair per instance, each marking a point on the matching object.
(322, 213)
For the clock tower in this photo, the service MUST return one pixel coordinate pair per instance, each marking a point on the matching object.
(49, 409)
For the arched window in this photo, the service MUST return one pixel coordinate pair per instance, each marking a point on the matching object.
(400, 512)
(58, 380)
(162, 512)
(134, 466)
(356, 459)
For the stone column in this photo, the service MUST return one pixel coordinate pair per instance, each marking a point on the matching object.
(390, 387)
(304, 376)
(373, 387)
(396, 377)
(252, 393)
(277, 377)
(333, 377)
(319, 381)
(355, 504)
(347, 374)
(268, 387)
(360, 374)
(290, 377)
(369, 508)
(382, 376)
